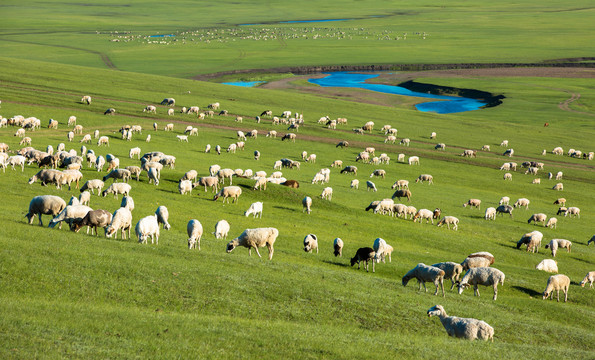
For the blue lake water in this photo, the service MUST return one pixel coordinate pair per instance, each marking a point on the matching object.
(160, 36)
(448, 105)
(244, 83)
(300, 21)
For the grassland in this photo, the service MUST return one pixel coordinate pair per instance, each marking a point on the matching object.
(208, 40)
(74, 295)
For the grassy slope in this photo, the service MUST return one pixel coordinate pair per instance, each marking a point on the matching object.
(72, 295)
(502, 32)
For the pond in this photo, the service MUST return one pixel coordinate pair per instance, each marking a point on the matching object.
(244, 83)
(447, 105)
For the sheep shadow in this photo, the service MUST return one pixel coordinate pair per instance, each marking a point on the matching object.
(284, 208)
(527, 291)
(335, 263)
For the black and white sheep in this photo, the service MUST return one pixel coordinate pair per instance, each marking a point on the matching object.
(310, 243)
(365, 254)
(338, 248)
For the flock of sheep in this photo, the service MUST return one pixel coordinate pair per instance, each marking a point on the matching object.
(78, 214)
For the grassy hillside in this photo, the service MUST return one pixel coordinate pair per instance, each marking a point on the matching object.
(74, 295)
(207, 39)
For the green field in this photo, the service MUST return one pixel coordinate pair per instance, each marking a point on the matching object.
(73, 295)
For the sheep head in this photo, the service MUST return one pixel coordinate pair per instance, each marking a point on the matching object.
(232, 245)
(436, 310)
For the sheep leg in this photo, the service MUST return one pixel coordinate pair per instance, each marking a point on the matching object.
(257, 252)
(495, 291)
(476, 290)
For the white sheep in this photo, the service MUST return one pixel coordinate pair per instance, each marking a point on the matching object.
(84, 198)
(307, 204)
(476, 203)
(163, 216)
(185, 186)
(552, 223)
(146, 227)
(255, 209)
(589, 278)
(548, 265)
(490, 213)
(194, 229)
(486, 276)
(116, 189)
(310, 243)
(45, 205)
(379, 248)
(70, 213)
(338, 249)
(413, 160)
(532, 240)
(104, 140)
(478, 259)
(182, 138)
(508, 176)
(327, 193)
(424, 214)
(558, 243)
(535, 218)
(93, 185)
(128, 203)
(424, 273)
(504, 200)
(522, 202)
(449, 220)
(557, 282)
(371, 186)
(227, 192)
(421, 179)
(466, 328)
(221, 229)
(255, 238)
(16, 160)
(558, 187)
(452, 271)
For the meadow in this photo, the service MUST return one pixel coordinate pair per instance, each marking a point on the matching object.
(75, 295)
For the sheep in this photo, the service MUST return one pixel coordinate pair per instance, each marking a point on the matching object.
(557, 282)
(294, 184)
(194, 229)
(229, 191)
(452, 271)
(378, 172)
(424, 214)
(255, 238)
(558, 187)
(47, 176)
(421, 178)
(349, 169)
(424, 273)
(536, 181)
(148, 138)
(311, 158)
(93, 219)
(558, 243)
(104, 140)
(115, 174)
(402, 193)
(190, 175)
(86, 99)
(338, 249)
(532, 240)
(440, 146)
(307, 205)
(117, 188)
(522, 202)
(310, 243)
(25, 141)
(590, 278)
(169, 127)
(573, 211)
(490, 213)
(469, 153)
(289, 136)
(391, 138)
(413, 160)
(559, 175)
(222, 174)
(548, 265)
(44, 205)
(272, 134)
(146, 227)
(78, 129)
(401, 184)
(364, 156)
(448, 220)
(69, 213)
(508, 176)
(365, 254)
(478, 259)
(70, 176)
(482, 276)
(93, 185)
(380, 247)
(476, 203)
(327, 193)
(405, 141)
(504, 200)
(154, 175)
(182, 138)
(552, 223)
(185, 186)
(371, 186)
(255, 209)
(504, 209)
(466, 328)
(540, 217)
(508, 152)
(384, 206)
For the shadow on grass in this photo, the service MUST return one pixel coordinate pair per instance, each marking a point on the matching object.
(284, 208)
(527, 291)
(336, 263)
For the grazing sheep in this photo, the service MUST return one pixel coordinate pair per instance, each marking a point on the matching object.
(69, 213)
(86, 100)
(536, 181)
(476, 203)
(365, 254)
(413, 160)
(478, 259)
(424, 273)
(222, 174)
(452, 271)
(557, 282)
(522, 202)
(558, 243)
(289, 136)
(485, 276)
(110, 111)
(93, 219)
(104, 140)
(115, 174)
(425, 177)
(504, 209)
(185, 186)
(338, 249)
(436, 214)
(405, 142)
(424, 214)
(448, 220)
(552, 223)
(490, 213)
(47, 176)
(255, 238)
(349, 169)
(190, 175)
(466, 328)
(154, 175)
(573, 211)
(508, 176)
(384, 206)
(504, 200)
(146, 227)
(532, 240)
(342, 144)
(560, 201)
(440, 146)
(378, 172)
(401, 184)
(548, 265)
(589, 278)
(327, 193)
(148, 138)
(307, 204)
(469, 153)
(169, 127)
(45, 205)
(379, 248)
(256, 154)
(221, 229)
(255, 209)
(85, 198)
(227, 192)
(558, 187)
(117, 188)
(261, 183)
(310, 243)
(194, 229)
(163, 216)
(371, 186)
(182, 138)
(538, 218)
(485, 148)
(294, 184)
(402, 193)
(93, 185)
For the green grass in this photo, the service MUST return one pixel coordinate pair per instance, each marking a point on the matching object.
(209, 39)
(74, 295)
